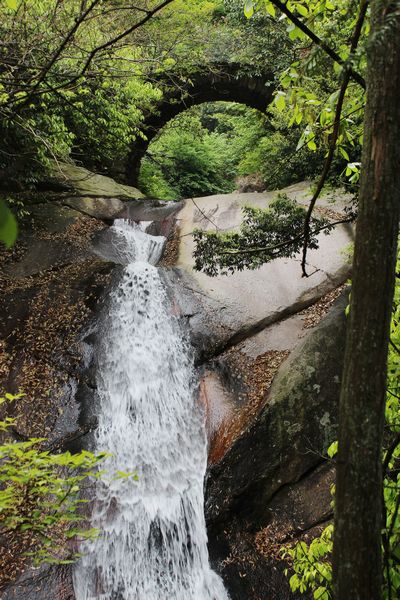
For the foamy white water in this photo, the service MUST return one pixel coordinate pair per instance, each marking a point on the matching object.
(153, 544)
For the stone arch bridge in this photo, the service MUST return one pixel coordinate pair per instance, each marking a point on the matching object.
(223, 83)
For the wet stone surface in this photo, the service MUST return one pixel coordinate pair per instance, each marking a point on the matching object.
(270, 373)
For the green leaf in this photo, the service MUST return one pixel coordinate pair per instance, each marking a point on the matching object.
(344, 153)
(280, 101)
(332, 450)
(8, 225)
(270, 9)
(312, 145)
(248, 8)
(302, 10)
(294, 582)
(13, 4)
(321, 594)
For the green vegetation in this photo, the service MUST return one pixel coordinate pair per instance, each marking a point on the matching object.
(187, 160)
(85, 96)
(40, 493)
(312, 569)
(215, 147)
(78, 80)
(109, 71)
(105, 73)
(263, 236)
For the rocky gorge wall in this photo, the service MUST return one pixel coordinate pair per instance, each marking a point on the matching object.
(54, 285)
(268, 348)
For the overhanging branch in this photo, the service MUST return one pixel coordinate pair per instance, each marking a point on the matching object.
(321, 43)
(335, 134)
(285, 243)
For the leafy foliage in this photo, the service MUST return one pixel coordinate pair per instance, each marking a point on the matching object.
(8, 225)
(187, 160)
(274, 152)
(40, 492)
(308, 89)
(265, 234)
(105, 119)
(207, 149)
(60, 94)
(312, 570)
(82, 101)
(311, 562)
(78, 78)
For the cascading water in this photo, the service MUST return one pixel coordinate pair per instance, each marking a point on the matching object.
(153, 544)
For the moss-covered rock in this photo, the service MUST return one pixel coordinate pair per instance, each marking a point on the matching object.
(291, 433)
(85, 183)
(273, 483)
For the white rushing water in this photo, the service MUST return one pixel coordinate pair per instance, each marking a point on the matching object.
(153, 544)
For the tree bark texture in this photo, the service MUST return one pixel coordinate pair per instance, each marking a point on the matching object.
(357, 561)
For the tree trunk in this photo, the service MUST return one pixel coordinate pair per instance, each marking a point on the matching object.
(357, 568)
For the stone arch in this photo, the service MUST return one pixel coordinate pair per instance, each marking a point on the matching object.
(223, 84)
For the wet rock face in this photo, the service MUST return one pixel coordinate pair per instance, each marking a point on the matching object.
(54, 285)
(47, 583)
(48, 300)
(51, 294)
(296, 426)
(273, 483)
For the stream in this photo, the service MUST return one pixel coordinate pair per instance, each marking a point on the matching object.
(153, 542)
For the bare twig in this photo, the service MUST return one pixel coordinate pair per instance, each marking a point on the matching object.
(204, 214)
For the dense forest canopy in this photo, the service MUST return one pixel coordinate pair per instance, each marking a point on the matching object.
(74, 72)
(78, 80)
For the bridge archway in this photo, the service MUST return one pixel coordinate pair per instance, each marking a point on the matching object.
(227, 85)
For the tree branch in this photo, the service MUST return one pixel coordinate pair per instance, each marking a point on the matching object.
(113, 41)
(317, 40)
(288, 160)
(335, 135)
(91, 55)
(389, 452)
(78, 21)
(294, 240)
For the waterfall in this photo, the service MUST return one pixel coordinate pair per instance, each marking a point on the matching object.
(153, 542)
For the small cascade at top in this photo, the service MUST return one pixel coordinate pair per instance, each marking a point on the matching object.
(153, 542)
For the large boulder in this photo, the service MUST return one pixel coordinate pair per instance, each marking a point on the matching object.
(292, 432)
(246, 302)
(272, 484)
(71, 177)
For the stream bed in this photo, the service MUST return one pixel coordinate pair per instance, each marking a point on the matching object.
(153, 542)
